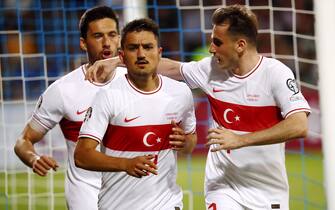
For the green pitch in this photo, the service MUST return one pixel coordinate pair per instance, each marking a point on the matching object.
(305, 177)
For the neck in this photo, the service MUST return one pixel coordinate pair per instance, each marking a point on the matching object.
(247, 63)
(144, 83)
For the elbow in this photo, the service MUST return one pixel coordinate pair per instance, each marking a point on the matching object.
(301, 130)
(78, 158)
(17, 147)
(299, 125)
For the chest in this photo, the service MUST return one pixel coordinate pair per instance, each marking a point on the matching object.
(254, 91)
(77, 99)
(137, 111)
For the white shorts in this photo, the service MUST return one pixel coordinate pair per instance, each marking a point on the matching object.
(222, 202)
(80, 196)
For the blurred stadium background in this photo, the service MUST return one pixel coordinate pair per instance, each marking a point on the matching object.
(39, 42)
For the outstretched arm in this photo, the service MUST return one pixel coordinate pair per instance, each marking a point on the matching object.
(87, 157)
(170, 68)
(102, 70)
(294, 126)
(24, 149)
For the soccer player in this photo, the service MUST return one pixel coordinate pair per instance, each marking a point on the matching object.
(65, 103)
(256, 107)
(141, 121)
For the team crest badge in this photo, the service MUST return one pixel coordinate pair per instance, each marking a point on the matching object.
(88, 114)
(39, 102)
(292, 85)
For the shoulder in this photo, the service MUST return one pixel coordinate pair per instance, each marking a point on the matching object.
(172, 86)
(70, 80)
(203, 63)
(116, 86)
(76, 75)
(274, 66)
(171, 82)
(121, 70)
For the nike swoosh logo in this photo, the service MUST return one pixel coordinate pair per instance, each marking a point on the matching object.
(217, 90)
(81, 112)
(130, 119)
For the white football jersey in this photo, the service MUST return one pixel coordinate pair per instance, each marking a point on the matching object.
(254, 176)
(128, 123)
(65, 102)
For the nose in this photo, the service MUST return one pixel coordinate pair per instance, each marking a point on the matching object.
(140, 53)
(106, 41)
(212, 48)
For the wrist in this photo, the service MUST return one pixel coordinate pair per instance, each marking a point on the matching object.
(34, 158)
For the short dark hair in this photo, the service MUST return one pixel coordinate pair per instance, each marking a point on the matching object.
(96, 13)
(241, 20)
(143, 24)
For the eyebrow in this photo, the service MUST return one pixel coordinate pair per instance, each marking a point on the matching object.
(144, 44)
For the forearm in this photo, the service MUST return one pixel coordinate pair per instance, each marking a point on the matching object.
(93, 160)
(170, 68)
(295, 126)
(25, 151)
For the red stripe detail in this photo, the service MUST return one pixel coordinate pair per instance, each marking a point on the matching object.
(132, 138)
(144, 92)
(40, 121)
(70, 129)
(297, 110)
(251, 118)
(252, 71)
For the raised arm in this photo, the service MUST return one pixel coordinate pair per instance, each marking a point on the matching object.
(294, 126)
(170, 68)
(102, 70)
(87, 157)
(24, 149)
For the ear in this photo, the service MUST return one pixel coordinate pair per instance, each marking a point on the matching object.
(83, 44)
(160, 50)
(121, 56)
(119, 42)
(241, 45)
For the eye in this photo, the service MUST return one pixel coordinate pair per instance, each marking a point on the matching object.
(148, 46)
(217, 42)
(113, 34)
(97, 35)
(132, 47)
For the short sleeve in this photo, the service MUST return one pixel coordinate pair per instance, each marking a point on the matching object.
(97, 118)
(286, 92)
(188, 118)
(196, 74)
(49, 109)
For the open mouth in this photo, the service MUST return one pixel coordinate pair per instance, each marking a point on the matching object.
(218, 60)
(106, 54)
